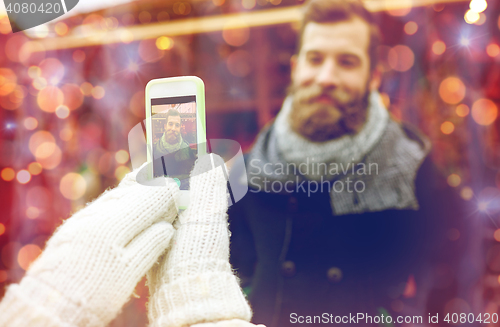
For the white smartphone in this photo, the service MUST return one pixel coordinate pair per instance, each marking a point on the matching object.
(175, 129)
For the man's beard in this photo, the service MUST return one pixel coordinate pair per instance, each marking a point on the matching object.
(320, 122)
(172, 137)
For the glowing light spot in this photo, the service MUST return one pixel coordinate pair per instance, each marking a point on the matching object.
(496, 235)
(86, 88)
(452, 90)
(438, 47)
(133, 67)
(483, 205)
(411, 28)
(66, 134)
(39, 83)
(73, 96)
(126, 36)
(61, 28)
(34, 72)
(27, 254)
(8, 174)
(478, 5)
(98, 92)
(144, 17)
(8, 81)
(447, 127)
(462, 110)
(47, 153)
(275, 2)
(2, 229)
(493, 50)
(32, 212)
(466, 193)
(23, 176)
(464, 41)
(454, 180)
(404, 7)
(49, 98)
(39, 197)
(484, 112)
(35, 168)
(73, 186)
(481, 20)
(235, 32)
(121, 156)
(248, 4)
(121, 171)
(218, 2)
(401, 58)
(78, 55)
(163, 16)
(52, 70)
(471, 17)
(181, 8)
(164, 43)
(3, 273)
(62, 112)
(5, 25)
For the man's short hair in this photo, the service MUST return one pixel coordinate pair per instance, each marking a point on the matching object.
(171, 112)
(333, 11)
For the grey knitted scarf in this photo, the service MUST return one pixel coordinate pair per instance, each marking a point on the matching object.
(373, 170)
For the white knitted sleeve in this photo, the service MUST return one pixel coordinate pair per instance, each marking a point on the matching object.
(195, 282)
(94, 260)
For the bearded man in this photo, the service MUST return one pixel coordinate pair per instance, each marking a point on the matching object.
(345, 214)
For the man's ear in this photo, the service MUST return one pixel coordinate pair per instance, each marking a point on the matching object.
(293, 65)
(375, 79)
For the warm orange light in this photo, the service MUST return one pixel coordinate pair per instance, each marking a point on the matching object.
(2, 229)
(466, 193)
(8, 81)
(86, 88)
(23, 176)
(52, 70)
(411, 28)
(49, 98)
(164, 43)
(66, 134)
(401, 58)
(493, 50)
(121, 156)
(32, 212)
(218, 2)
(73, 186)
(405, 7)
(78, 55)
(27, 254)
(496, 235)
(462, 110)
(447, 127)
(438, 47)
(484, 112)
(73, 96)
(454, 180)
(30, 123)
(452, 90)
(35, 168)
(98, 92)
(8, 174)
(248, 4)
(471, 17)
(61, 28)
(235, 33)
(121, 171)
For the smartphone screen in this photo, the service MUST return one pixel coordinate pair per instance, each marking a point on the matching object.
(174, 137)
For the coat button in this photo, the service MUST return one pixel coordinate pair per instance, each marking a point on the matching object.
(293, 205)
(334, 275)
(288, 269)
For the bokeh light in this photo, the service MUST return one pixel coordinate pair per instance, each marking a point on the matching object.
(79, 55)
(52, 70)
(73, 96)
(466, 193)
(144, 17)
(164, 43)
(98, 92)
(73, 186)
(35, 168)
(23, 176)
(484, 112)
(61, 28)
(8, 174)
(248, 4)
(121, 171)
(401, 58)
(471, 17)
(86, 88)
(462, 110)
(478, 5)
(39, 197)
(438, 47)
(411, 28)
(218, 2)
(66, 134)
(149, 50)
(493, 50)
(8, 81)
(496, 235)
(13, 45)
(447, 127)
(42, 145)
(5, 25)
(405, 7)
(62, 112)
(30, 123)
(49, 98)
(121, 156)
(32, 212)
(27, 254)
(454, 180)
(235, 32)
(2, 229)
(452, 90)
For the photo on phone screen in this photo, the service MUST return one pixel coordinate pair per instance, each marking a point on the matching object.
(174, 137)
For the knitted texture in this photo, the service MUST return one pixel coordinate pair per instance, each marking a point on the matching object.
(194, 282)
(94, 260)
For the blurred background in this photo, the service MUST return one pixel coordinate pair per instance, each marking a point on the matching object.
(71, 90)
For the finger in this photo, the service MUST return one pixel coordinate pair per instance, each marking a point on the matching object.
(146, 247)
(208, 187)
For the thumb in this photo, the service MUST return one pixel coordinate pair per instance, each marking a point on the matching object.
(208, 187)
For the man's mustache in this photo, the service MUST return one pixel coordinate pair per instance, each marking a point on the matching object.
(310, 94)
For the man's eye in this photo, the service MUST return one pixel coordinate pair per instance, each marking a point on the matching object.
(349, 63)
(315, 60)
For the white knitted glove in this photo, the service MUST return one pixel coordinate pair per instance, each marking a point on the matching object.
(92, 263)
(194, 282)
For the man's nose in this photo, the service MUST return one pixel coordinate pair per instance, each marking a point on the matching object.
(328, 75)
